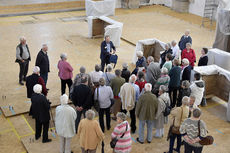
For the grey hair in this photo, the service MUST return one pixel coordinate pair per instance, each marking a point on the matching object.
(139, 54)
(185, 61)
(168, 45)
(118, 72)
(82, 69)
(109, 67)
(44, 45)
(188, 44)
(106, 36)
(132, 78)
(174, 41)
(22, 38)
(84, 79)
(63, 56)
(150, 59)
(187, 30)
(125, 65)
(192, 97)
(148, 87)
(97, 68)
(196, 113)
(101, 81)
(164, 70)
(163, 88)
(185, 83)
(90, 114)
(37, 88)
(122, 116)
(185, 100)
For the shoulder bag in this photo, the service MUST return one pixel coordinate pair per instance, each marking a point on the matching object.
(176, 130)
(208, 140)
(114, 140)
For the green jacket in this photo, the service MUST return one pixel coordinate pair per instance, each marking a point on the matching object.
(146, 107)
(116, 84)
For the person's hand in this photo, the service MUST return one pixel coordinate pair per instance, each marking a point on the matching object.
(22, 61)
(78, 108)
(188, 139)
(81, 108)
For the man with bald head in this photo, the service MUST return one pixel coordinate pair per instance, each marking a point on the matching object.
(22, 58)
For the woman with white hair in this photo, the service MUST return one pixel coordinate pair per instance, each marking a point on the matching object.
(163, 55)
(122, 133)
(161, 119)
(65, 73)
(186, 70)
(40, 107)
(189, 53)
(163, 80)
(108, 75)
(141, 62)
(65, 124)
(177, 117)
(90, 133)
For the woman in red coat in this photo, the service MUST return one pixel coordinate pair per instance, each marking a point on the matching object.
(189, 54)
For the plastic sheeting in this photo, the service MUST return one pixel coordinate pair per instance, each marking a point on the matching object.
(140, 43)
(100, 8)
(219, 58)
(114, 30)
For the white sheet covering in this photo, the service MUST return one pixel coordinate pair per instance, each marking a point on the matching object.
(140, 43)
(114, 30)
(100, 8)
(219, 58)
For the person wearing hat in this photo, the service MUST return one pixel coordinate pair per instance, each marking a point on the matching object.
(104, 94)
(33, 79)
(40, 111)
(65, 124)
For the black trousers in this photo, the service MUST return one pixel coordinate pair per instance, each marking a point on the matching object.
(105, 111)
(77, 121)
(23, 69)
(172, 141)
(105, 62)
(173, 95)
(69, 82)
(189, 149)
(133, 119)
(39, 126)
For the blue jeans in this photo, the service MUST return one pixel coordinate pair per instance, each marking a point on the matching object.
(44, 77)
(149, 130)
(172, 140)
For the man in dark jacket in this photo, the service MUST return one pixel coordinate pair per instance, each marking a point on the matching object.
(107, 48)
(23, 58)
(186, 71)
(125, 73)
(168, 50)
(40, 111)
(184, 40)
(42, 61)
(33, 80)
(82, 99)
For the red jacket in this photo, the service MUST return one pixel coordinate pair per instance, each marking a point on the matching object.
(191, 56)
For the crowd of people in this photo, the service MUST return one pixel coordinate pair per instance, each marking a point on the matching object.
(157, 93)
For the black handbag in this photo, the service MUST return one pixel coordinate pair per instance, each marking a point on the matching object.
(208, 140)
(114, 140)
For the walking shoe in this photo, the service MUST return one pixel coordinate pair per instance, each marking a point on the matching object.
(139, 141)
(46, 141)
(21, 83)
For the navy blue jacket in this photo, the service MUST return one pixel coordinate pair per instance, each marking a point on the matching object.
(183, 41)
(187, 73)
(174, 75)
(42, 61)
(104, 52)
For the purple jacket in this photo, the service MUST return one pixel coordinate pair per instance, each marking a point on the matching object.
(65, 70)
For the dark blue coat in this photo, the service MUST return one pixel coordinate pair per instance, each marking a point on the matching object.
(42, 61)
(183, 41)
(104, 52)
(174, 75)
(187, 73)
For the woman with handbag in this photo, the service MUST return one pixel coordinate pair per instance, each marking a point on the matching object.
(121, 138)
(178, 115)
(194, 132)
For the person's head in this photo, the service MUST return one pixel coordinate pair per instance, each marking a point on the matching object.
(121, 117)
(140, 75)
(125, 66)
(64, 99)
(196, 113)
(164, 71)
(109, 68)
(37, 88)
(118, 72)
(97, 67)
(185, 100)
(187, 32)
(82, 69)
(84, 79)
(176, 62)
(192, 100)
(132, 78)
(36, 70)
(188, 46)
(150, 59)
(44, 48)
(167, 46)
(185, 84)
(139, 54)
(174, 43)
(185, 62)
(107, 38)
(22, 40)
(197, 76)
(162, 89)
(101, 81)
(63, 56)
(90, 114)
(148, 87)
(168, 57)
(204, 51)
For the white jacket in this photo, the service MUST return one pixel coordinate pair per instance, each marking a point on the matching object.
(65, 121)
(197, 90)
(128, 96)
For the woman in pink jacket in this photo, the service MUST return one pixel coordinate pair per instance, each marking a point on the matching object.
(65, 73)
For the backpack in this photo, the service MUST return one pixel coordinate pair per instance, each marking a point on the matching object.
(167, 109)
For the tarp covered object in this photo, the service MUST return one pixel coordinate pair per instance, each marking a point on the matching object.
(100, 8)
(219, 58)
(154, 49)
